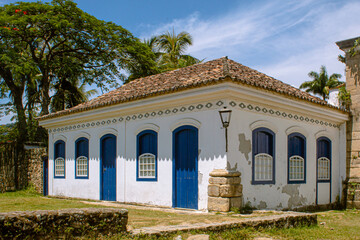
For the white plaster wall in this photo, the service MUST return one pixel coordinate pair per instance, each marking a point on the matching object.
(211, 155)
(69, 186)
(281, 194)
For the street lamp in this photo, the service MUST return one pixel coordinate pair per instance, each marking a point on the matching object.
(225, 115)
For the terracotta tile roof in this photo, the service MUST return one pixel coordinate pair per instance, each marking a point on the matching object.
(197, 75)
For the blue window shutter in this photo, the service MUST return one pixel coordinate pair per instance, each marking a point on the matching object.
(324, 147)
(82, 147)
(59, 149)
(296, 145)
(263, 142)
(146, 143)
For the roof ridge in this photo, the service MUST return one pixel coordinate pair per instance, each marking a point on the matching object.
(226, 70)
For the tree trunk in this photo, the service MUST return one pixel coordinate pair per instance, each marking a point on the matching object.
(45, 98)
(17, 92)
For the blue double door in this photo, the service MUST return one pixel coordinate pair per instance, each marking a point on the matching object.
(108, 167)
(185, 164)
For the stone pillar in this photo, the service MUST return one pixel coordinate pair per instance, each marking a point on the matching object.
(353, 125)
(224, 190)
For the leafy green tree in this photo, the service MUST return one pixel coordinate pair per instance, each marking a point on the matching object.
(59, 35)
(344, 97)
(321, 82)
(7, 132)
(47, 45)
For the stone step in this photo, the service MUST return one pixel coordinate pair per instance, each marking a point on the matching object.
(286, 220)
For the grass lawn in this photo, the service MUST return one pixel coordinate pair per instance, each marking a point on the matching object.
(332, 224)
(28, 200)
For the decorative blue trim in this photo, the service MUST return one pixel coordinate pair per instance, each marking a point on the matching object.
(173, 169)
(254, 152)
(63, 156)
(303, 156)
(138, 154)
(174, 160)
(86, 155)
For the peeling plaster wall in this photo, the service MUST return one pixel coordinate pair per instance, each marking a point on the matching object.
(281, 194)
(211, 156)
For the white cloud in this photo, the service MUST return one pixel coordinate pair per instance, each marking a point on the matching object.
(283, 39)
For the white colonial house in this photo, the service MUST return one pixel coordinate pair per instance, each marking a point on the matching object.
(160, 140)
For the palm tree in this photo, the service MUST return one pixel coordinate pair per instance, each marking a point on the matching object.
(168, 52)
(153, 44)
(69, 93)
(321, 83)
(173, 47)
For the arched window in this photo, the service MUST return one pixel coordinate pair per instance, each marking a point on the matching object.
(59, 159)
(263, 169)
(147, 156)
(323, 159)
(82, 158)
(296, 158)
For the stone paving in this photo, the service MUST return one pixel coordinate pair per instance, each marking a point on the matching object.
(279, 219)
(286, 220)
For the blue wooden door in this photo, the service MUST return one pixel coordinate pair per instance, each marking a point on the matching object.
(45, 176)
(108, 168)
(323, 184)
(185, 182)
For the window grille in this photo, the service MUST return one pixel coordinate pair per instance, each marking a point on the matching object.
(82, 166)
(323, 168)
(147, 165)
(296, 168)
(263, 167)
(59, 167)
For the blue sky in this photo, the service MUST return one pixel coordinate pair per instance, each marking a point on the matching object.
(283, 39)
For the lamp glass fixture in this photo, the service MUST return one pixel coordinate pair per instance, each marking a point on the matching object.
(225, 115)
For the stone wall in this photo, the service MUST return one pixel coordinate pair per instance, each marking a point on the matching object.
(224, 190)
(353, 126)
(7, 171)
(62, 223)
(19, 169)
(34, 171)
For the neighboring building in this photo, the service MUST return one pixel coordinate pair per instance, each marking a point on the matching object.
(353, 126)
(333, 95)
(157, 140)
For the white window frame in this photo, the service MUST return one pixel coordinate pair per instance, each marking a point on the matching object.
(296, 168)
(263, 167)
(323, 165)
(147, 166)
(82, 166)
(59, 167)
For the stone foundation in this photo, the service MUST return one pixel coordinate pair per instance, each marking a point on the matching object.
(62, 223)
(353, 195)
(224, 190)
